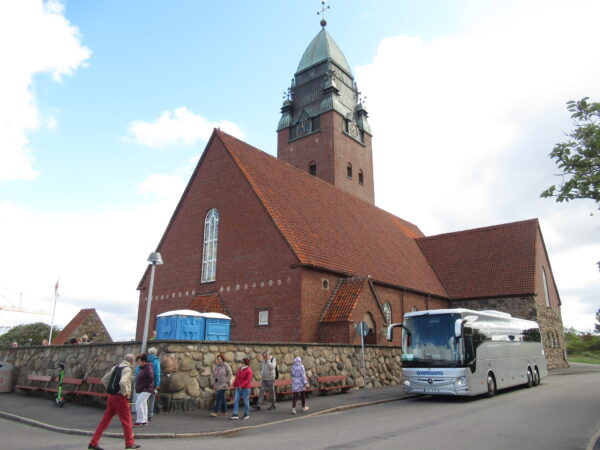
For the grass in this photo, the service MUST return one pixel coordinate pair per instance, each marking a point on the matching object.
(584, 359)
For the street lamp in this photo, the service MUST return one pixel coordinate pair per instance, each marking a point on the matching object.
(153, 259)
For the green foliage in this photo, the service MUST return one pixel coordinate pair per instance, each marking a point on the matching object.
(582, 347)
(579, 157)
(22, 334)
(597, 325)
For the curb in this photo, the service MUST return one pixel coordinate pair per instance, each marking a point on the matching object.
(75, 431)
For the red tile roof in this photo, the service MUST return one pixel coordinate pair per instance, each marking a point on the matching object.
(344, 299)
(208, 303)
(485, 262)
(328, 228)
(70, 330)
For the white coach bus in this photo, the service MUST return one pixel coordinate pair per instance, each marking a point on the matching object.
(464, 352)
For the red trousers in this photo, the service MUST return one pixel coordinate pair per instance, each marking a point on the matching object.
(119, 405)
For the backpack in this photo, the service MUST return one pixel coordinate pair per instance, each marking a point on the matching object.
(276, 370)
(114, 384)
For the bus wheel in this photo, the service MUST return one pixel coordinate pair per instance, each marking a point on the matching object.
(491, 385)
(529, 377)
(536, 377)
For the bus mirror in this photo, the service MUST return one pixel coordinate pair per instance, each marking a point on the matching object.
(458, 327)
(390, 329)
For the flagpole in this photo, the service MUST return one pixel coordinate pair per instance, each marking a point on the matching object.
(53, 311)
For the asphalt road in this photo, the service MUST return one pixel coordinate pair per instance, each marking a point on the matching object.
(562, 413)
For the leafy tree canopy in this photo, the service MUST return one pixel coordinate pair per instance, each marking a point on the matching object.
(597, 326)
(579, 157)
(22, 334)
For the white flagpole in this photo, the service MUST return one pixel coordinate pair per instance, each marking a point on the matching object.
(53, 311)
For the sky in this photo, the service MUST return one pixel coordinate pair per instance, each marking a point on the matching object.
(106, 107)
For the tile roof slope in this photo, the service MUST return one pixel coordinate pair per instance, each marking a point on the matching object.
(208, 303)
(331, 229)
(72, 326)
(485, 262)
(344, 299)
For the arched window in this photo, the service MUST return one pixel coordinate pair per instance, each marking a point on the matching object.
(414, 308)
(349, 170)
(312, 168)
(387, 312)
(361, 177)
(209, 255)
(545, 281)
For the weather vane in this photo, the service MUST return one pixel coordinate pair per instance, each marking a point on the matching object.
(322, 13)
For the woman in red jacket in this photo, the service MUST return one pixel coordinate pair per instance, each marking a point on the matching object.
(243, 378)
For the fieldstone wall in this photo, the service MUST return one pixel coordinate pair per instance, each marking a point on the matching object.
(186, 366)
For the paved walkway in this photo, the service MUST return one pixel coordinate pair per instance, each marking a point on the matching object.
(77, 418)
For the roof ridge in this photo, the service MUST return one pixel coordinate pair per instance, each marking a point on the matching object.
(481, 229)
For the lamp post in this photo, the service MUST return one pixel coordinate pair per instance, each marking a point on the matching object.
(153, 259)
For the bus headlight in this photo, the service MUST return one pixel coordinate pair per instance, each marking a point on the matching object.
(406, 382)
(461, 381)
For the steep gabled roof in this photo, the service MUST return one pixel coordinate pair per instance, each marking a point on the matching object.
(344, 299)
(208, 303)
(71, 329)
(330, 229)
(485, 262)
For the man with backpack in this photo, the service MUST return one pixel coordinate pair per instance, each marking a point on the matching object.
(118, 387)
(268, 369)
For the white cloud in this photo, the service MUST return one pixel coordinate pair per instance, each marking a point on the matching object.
(35, 38)
(178, 127)
(463, 125)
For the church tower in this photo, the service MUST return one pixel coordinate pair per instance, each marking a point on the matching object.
(323, 127)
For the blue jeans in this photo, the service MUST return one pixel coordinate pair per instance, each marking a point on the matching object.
(245, 394)
(221, 404)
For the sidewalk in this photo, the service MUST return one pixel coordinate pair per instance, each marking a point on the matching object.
(76, 418)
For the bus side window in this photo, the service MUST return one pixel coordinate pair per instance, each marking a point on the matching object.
(469, 350)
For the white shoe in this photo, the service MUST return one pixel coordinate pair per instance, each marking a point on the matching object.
(305, 408)
(293, 410)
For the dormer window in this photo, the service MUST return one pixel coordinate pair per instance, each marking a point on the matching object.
(349, 170)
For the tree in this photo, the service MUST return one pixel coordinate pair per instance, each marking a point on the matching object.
(28, 334)
(597, 326)
(579, 157)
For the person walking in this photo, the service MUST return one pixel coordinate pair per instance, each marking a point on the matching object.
(144, 386)
(221, 380)
(243, 380)
(155, 361)
(299, 384)
(117, 404)
(267, 384)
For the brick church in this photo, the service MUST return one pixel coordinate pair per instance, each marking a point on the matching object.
(294, 249)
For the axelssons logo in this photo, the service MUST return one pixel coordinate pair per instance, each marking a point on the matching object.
(430, 373)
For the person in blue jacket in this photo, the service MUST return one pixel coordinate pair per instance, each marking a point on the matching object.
(155, 361)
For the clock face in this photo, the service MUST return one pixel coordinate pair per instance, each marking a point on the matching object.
(304, 127)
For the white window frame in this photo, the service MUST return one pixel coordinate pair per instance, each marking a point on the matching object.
(209, 253)
(263, 317)
(387, 312)
(545, 280)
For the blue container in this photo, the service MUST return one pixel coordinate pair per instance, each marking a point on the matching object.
(217, 327)
(186, 324)
(181, 324)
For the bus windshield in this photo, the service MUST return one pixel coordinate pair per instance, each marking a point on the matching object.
(428, 341)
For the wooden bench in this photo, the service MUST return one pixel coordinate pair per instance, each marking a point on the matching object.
(92, 383)
(332, 382)
(66, 381)
(253, 392)
(38, 383)
(283, 388)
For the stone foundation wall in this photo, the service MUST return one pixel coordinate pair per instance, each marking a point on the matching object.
(186, 366)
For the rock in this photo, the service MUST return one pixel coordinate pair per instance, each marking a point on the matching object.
(174, 382)
(209, 359)
(186, 364)
(193, 388)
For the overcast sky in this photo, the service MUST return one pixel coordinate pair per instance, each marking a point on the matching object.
(105, 108)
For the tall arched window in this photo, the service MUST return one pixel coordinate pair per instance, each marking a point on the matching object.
(349, 170)
(387, 312)
(209, 255)
(545, 286)
(361, 177)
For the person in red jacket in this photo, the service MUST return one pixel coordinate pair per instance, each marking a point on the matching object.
(243, 379)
